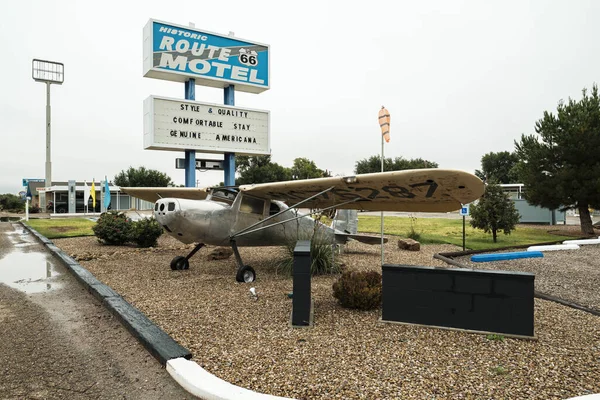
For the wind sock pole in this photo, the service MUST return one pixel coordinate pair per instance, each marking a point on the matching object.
(382, 256)
(384, 123)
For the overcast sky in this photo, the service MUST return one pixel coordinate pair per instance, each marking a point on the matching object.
(460, 79)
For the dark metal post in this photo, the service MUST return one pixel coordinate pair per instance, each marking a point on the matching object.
(301, 304)
(464, 217)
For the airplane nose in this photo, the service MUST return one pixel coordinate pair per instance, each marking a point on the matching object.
(164, 211)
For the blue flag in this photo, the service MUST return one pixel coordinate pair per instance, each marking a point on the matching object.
(106, 194)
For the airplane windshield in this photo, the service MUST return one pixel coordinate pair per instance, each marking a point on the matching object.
(225, 195)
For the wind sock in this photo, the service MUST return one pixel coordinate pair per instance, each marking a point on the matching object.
(106, 194)
(94, 193)
(86, 193)
(384, 123)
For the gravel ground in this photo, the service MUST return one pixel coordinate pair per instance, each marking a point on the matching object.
(572, 275)
(347, 354)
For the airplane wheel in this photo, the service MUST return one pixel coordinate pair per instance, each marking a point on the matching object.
(179, 263)
(245, 274)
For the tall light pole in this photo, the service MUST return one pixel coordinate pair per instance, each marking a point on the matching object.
(48, 72)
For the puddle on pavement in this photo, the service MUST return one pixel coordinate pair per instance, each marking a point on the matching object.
(19, 237)
(9, 219)
(28, 272)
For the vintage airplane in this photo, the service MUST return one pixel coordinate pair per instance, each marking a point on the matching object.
(257, 215)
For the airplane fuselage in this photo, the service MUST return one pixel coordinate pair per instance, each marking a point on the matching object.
(214, 222)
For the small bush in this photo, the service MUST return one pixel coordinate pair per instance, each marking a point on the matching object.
(360, 290)
(113, 228)
(321, 253)
(146, 232)
(34, 209)
(413, 233)
(500, 370)
(494, 337)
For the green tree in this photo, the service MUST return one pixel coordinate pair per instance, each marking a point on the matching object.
(10, 201)
(373, 164)
(499, 167)
(304, 168)
(495, 211)
(142, 177)
(560, 165)
(260, 169)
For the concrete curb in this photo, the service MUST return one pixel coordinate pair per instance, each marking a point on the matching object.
(154, 339)
(203, 384)
(193, 378)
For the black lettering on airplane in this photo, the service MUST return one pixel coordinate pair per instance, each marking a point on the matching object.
(432, 187)
(374, 192)
(354, 192)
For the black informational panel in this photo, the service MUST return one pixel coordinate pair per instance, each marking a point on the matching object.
(301, 302)
(488, 301)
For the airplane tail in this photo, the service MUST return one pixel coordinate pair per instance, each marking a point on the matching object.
(345, 224)
(346, 221)
(367, 239)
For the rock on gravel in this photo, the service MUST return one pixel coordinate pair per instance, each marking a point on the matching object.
(347, 354)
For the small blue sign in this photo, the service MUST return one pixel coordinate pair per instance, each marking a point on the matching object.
(174, 52)
(27, 180)
(464, 210)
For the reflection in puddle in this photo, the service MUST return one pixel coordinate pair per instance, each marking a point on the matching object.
(28, 272)
(19, 237)
(9, 219)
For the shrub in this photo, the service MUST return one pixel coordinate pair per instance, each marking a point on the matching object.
(113, 228)
(34, 209)
(11, 202)
(145, 232)
(321, 252)
(413, 233)
(360, 290)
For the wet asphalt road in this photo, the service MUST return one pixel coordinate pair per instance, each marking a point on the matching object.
(57, 341)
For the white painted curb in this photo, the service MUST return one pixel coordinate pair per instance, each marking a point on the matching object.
(582, 241)
(551, 247)
(205, 385)
(595, 396)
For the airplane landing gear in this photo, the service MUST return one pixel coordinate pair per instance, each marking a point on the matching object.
(245, 273)
(180, 263)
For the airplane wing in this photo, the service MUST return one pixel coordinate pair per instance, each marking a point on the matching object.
(154, 193)
(424, 190)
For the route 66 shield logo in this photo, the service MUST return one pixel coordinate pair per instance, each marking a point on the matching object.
(248, 57)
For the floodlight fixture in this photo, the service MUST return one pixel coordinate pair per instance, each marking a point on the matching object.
(48, 71)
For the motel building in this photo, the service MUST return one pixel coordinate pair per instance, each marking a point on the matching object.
(67, 198)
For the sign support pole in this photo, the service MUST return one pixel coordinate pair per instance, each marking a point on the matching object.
(190, 155)
(229, 100)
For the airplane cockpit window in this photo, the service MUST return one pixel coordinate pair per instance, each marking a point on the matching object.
(224, 195)
(274, 209)
(155, 206)
(252, 205)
